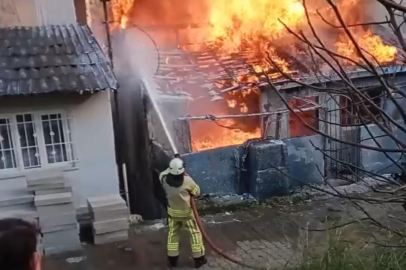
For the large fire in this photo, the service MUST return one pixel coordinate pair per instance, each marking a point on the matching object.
(253, 29)
(368, 42)
(236, 22)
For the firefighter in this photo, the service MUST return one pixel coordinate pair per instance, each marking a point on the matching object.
(179, 187)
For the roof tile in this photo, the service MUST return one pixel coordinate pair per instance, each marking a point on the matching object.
(52, 58)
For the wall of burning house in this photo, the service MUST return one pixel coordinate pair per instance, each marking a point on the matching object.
(195, 72)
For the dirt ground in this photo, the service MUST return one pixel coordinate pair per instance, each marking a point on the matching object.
(262, 235)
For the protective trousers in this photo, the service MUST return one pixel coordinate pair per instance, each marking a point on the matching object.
(196, 241)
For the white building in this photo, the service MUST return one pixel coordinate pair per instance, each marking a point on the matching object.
(55, 108)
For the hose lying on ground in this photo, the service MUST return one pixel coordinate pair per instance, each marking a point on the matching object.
(216, 248)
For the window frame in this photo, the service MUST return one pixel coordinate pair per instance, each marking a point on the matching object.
(14, 148)
(67, 123)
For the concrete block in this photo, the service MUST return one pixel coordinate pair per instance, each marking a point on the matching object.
(16, 199)
(60, 228)
(110, 226)
(44, 177)
(47, 222)
(111, 237)
(61, 241)
(55, 210)
(24, 211)
(51, 199)
(46, 186)
(267, 154)
(50, 239)
(265, 184)
(104, 203)
(53, 190)
(106, 215)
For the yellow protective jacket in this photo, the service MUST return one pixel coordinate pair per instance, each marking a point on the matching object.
(179, 197)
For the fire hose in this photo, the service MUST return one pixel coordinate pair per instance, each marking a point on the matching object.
(218, 250)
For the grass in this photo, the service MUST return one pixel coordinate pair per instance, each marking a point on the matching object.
(342, 255)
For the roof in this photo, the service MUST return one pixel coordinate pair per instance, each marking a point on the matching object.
(48, 59)
(194, 73)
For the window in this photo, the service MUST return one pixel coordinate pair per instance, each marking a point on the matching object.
(28, 141)
(58, 141)
(7, 158)
(310, 117)
(351, 115)
(40, 140)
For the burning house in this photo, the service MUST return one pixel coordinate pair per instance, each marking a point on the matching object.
(225, 71)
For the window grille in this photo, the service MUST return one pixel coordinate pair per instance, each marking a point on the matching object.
(35, 140)
(28, 141)
(57, 137)
(7, 154)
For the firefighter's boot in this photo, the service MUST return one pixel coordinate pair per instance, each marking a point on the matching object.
(173, 261)
(199, 262)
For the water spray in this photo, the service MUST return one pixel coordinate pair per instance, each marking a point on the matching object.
(151, 95)
(158, 111)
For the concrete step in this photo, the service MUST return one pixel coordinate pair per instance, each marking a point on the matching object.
(52, 199)
(105, 203)
(24, 211)
(110, 226)
(16, 197)
(44, 178)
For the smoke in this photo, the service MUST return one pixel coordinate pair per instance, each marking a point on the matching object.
(134, 53)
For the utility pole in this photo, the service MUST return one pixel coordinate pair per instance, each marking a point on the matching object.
(107, 26)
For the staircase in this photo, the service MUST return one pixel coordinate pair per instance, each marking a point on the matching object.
(18, 203)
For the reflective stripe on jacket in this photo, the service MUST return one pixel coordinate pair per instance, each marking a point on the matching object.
(179, 197)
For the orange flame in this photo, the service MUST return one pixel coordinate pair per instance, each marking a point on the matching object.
(253, 30)
(232, 103)
(226, 137)
(373, 48)
(122, 10)
(236, 22)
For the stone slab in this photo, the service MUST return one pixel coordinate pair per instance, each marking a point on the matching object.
(51, 199)
(46, 186)
(61, 241)
(44, 177)
(24, 211)
(104, 203)
(111, 237)
(117, 213)
(16, 198)
(61, 238)
(110, 226)
(53, 190)
(55, 210)
(47, 222)
(60, 228)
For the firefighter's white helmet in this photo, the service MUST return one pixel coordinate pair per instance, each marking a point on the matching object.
(176, 166)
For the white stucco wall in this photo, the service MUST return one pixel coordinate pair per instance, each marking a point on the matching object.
(92, 128)
(36, 12)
